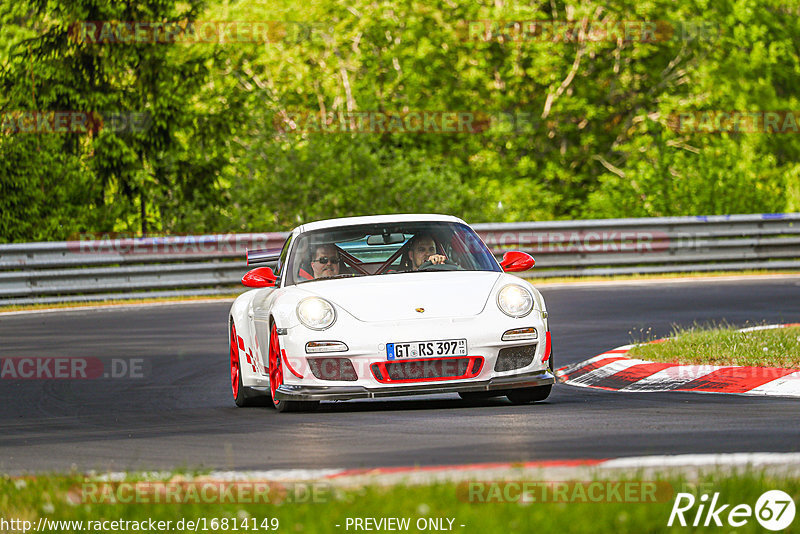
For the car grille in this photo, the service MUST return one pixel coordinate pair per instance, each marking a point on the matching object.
(427, 369)
(511, 358)
(340, 369)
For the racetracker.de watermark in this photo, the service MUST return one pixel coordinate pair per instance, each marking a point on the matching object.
(507, 122)
(405, 121)
(715, 121)
(72, 368)
(538, 491)
(214, 244)
(380, 122)
(195, 32)
(330, 366)
(201, 492)
(585, 242)
(585, 30)
(71, 122)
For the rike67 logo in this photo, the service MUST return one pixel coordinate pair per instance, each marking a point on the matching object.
(774, 510)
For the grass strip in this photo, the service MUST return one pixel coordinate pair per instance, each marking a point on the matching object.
(319, 507)
(725, 345)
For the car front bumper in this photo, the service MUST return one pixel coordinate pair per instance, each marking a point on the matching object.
(297, 392)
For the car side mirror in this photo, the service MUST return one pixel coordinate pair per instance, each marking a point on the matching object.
(260, 277)
(515, 261)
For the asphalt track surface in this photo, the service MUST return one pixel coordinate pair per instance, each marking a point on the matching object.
(181, 415)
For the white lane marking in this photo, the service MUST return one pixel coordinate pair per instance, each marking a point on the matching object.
(457, 472)
(275, 474)
(272, 474)
(694, 460)
(118, 476)
(765, 327)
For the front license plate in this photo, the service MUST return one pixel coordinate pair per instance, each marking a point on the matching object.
(426, 349)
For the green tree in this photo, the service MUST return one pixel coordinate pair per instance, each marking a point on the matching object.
(597, 139)
(120, 178)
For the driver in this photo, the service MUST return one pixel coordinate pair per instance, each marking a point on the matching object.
(422, 249)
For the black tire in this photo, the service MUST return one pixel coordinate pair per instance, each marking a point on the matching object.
(535, 394)
(529, 395)
(249, 397)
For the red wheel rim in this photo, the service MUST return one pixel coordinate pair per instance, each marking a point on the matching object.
(275, 367)
(234, 364)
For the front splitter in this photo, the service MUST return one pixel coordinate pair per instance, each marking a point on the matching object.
(529, 380)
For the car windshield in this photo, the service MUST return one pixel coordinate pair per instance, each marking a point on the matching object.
(386, 249)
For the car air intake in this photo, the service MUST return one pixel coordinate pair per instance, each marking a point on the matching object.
(333, 369)
(420, 370)
(511, 358)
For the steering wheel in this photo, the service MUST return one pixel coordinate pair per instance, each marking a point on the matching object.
(446, 266)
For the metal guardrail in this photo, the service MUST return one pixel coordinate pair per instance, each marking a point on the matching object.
(105, 269)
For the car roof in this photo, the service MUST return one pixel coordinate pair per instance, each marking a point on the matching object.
(371, 219)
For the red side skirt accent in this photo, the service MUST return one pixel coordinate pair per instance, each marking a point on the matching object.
(547, 346)
(288, 365)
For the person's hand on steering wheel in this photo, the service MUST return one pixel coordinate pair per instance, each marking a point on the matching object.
(442, 264)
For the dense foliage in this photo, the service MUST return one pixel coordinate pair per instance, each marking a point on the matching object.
(574, 126)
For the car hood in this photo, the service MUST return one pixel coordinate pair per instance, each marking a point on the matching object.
(396, 297)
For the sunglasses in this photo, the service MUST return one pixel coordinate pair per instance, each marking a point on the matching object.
(325, 259)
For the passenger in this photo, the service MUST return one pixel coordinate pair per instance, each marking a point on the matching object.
(324, 261)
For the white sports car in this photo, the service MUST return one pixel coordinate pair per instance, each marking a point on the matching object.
(384, 306)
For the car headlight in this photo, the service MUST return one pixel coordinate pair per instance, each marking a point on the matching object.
(316, 313)
(515, 301)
